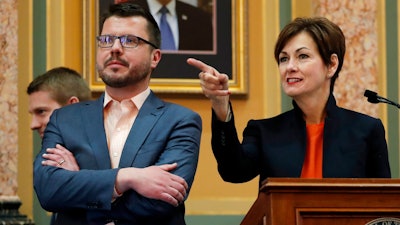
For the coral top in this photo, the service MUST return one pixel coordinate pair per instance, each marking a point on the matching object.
(312, 167)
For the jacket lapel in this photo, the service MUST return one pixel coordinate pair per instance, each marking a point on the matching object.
(94, 125)
(146, 119)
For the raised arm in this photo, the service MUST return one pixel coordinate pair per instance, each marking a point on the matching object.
(215, 86)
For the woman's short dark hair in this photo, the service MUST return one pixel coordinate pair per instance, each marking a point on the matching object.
(130, 9)
(328, 37)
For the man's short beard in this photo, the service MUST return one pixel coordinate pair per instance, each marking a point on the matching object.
(111, 81)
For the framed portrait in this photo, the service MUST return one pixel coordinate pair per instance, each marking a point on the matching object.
(223, 46)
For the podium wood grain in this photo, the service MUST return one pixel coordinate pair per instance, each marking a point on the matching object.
(328, 201)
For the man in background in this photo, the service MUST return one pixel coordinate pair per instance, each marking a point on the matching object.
(57, 87)
(54, 89)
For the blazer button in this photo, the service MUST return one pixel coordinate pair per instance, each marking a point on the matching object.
(223, 143)
(93, 205)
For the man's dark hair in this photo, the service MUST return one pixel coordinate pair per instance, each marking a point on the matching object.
(130, 9)
(62, 83)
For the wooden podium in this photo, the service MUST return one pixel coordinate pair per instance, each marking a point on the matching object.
(328, 201)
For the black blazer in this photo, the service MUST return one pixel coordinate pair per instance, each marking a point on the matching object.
(354, 146)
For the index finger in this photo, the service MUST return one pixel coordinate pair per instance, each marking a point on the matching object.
(201, 66)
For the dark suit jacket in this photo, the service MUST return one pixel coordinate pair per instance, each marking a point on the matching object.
(354, 146)
(194, 25)
(162, 133)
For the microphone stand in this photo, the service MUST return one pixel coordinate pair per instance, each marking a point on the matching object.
(384, 100)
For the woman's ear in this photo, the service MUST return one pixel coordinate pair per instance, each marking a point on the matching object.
(333, 65)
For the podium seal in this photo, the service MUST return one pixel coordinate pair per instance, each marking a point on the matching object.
(384, 221)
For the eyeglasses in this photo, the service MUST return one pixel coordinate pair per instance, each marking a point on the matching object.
(127, 41)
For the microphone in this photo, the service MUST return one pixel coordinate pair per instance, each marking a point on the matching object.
(374, 98)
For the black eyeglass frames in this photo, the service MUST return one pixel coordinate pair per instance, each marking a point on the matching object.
(127, 41)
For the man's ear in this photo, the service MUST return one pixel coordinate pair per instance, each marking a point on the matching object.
(156, 57)
(73, 100)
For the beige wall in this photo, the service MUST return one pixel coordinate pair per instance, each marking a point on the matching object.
(13, 156)
(25, 149)
(8, 100)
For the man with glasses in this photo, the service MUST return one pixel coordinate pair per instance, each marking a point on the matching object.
(137, 154)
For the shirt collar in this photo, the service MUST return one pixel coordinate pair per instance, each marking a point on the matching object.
(138, 100)
(155, 6)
